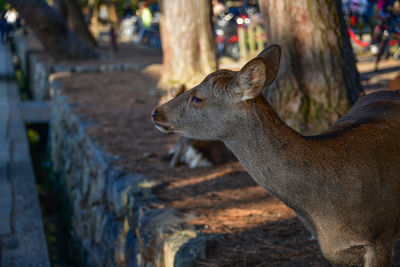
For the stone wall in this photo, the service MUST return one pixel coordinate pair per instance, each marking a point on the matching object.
(112, 215)
(39, 72)
(35, 64)
(21, 50)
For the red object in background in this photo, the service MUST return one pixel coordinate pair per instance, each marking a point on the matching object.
(355, 39)
(233, 39)
(220, 39)
(353, 20)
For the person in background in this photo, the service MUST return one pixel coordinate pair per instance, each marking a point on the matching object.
(218, 7)
(368, 15)
(358, 9)
(113, 39)
(389, 11)
(145, 20)
(4, 28)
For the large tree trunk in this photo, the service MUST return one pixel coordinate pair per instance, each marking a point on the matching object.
(189, 52)
(52, 31)
(318, 79)
(71, 11)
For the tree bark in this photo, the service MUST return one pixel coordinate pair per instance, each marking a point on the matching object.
(52, 31)
(189, 52)
(61, 8)
(318, 79)
(71, 11)
(112, 9)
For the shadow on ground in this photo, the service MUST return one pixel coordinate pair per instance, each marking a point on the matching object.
(373, 80)
(256, 229)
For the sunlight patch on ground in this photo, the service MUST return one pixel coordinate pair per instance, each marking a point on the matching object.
(194, 180)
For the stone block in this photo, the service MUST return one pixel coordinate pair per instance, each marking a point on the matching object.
(10, 242)
(121, 192)
(189, 247)
(4, 116)
(35, 111)
(100, 222)
(97, 186)
(5, 226)
(87, 68)
(4, 158)
(5, 193)
(174, 243)
(62, 68)
(40, 79)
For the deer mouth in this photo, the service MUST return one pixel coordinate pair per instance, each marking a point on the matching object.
(163, 128)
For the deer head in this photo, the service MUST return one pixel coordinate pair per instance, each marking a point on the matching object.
(210, 110)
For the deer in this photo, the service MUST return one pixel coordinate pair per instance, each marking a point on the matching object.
(343, 184)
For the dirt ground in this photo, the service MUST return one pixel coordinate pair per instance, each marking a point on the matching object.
(256, 229)
(140, 55)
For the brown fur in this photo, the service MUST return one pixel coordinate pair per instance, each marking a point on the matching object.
(344, 184)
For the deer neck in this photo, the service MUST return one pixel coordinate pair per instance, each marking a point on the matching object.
(272, 153)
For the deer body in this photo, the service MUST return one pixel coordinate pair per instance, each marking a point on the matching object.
(344, 184)
(341, 183)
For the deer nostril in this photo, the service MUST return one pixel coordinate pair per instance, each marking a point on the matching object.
(155, 113)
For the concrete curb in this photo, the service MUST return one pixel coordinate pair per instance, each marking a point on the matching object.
(22, 238)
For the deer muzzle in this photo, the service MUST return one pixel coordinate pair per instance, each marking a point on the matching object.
(160, 122)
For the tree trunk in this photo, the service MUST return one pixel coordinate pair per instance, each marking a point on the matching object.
(94, 22)
(112, 10)
(52, 31)
(318, 79)
(189, 52)
(89, 14)
(71, 11)
(61, 8)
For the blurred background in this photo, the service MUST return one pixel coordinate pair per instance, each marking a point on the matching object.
(115, 192)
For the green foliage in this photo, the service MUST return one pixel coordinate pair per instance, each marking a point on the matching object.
(33, 136)
(119, 4)
(84, 3)
(4, 5)
(122, 4)
(19, 76)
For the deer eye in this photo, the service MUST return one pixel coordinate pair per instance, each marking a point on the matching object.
(196, 100)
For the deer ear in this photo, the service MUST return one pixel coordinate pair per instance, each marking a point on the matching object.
(251, 79)
(259, 72)
(272, 57)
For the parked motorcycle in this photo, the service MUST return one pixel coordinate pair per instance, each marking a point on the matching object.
(225, 28)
